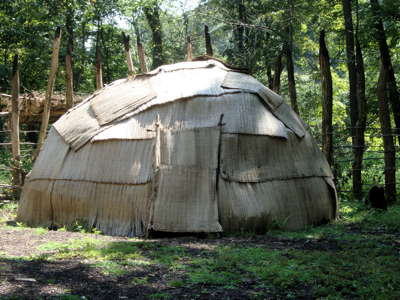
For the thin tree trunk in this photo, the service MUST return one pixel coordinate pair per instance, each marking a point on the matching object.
(289, 60)
(278, 67)
(270, 78)
(384, 117)
(394, 96)
(360, 125)
(327, 95)
(80, 69)
(153, 18)
(49, 91)
(16, 152)
(99, 64)
(189, 49)
(209, 49)
(126, 40)
(351, 66)
(69, 93)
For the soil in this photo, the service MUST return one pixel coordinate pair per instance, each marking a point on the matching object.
(44, 279)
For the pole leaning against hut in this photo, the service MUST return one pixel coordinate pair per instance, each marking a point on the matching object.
(49, 92)
(15, 145)
(207, 36)
(126, 40)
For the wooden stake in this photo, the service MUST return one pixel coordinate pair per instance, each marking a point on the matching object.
(209, 49)
(15, 146)
(140, 52)
(49, 92)
(189, 49)
(69, 93)
(126, 40)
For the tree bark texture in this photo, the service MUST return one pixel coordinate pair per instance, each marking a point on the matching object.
(289, 60)
(360, 125)
(152, 14)
(386, 130)
(99, 63)
(278, 67)
(327, 96)
(393, 92)
(126, 41)
(17, 179)
(49, 91)
(351, 66)
(209, 49)
(189, 49)
(69, 78)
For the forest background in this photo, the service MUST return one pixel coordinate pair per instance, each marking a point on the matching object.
(336, 62)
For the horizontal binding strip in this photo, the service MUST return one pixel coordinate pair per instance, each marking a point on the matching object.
(230, 179)
(89, 181)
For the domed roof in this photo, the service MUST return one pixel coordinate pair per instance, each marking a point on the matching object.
(128, 97)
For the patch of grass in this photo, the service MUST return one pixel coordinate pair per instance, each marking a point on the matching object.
(40, 231)
(160, 296)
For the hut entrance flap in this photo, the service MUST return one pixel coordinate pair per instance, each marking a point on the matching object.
(185, 199)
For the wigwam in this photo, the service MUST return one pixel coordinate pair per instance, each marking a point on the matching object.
(189, 147)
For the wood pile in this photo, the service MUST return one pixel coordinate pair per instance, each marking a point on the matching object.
(31, 106)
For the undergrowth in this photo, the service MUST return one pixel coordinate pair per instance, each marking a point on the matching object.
(355, 257)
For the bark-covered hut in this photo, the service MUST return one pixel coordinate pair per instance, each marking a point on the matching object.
(190, 147)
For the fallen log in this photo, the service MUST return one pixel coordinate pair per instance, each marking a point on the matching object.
(31, 106)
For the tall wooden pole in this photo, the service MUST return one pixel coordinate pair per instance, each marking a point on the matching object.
(140, 52)
(126, 40)
(327, 96)
(49, 91)
(15, 146)
(207, 37)
(69, 92)
(189, 49)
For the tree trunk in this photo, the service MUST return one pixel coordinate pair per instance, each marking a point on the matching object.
(153, 18)
(209, 50)
(126, 40)
(15, 146)
(69, 92)
(99, 64)
(384, 118)
(394, 97)
(289, 60)
(141, 56)
(49, 91)
(351, 66)
(270, 78)
(79, 70)
(189, 49)
(360, 125)
(327, 95)
(278, 67)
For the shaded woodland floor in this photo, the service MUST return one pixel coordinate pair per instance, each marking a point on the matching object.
(357, 257)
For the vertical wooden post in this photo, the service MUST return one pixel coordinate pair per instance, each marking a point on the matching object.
(126, 40)
(15, 146)
(69, 92)
(189, 50)
(49, 91)
(99, 64)
(141, 55)
(209, 50)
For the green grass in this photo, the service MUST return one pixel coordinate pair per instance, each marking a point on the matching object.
(356, 257)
